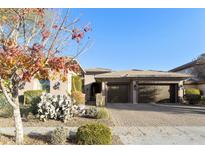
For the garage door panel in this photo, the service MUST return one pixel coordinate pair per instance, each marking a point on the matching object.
(153, 93)
(118, 93)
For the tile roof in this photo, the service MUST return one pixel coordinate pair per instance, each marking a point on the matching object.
(98, 70)
(185, 66)
(141, 73)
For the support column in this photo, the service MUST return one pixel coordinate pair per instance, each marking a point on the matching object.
(104, 90)
(173, 93)
(134, 92)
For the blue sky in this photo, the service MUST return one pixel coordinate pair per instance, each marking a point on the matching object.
(157, 39)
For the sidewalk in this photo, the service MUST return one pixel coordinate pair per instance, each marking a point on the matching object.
(138, 135)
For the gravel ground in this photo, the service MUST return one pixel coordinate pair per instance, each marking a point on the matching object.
(128, 115)
(33, 122)
(39, 135)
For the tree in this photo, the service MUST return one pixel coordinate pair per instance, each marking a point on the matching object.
(199, 67)
(30, 42)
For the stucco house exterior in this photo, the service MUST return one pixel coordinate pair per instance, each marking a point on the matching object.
(56, 86)
(133, 86)
(192, 82)
(128, 86)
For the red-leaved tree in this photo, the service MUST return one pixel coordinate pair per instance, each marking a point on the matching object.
(30, 40)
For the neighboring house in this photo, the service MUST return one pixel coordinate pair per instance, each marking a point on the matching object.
(133, 86)
(192, 82)
(53, 86)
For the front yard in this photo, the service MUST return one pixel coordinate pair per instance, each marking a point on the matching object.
(73, 122)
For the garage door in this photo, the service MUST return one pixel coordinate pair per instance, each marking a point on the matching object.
(118, 93)
(153, 93)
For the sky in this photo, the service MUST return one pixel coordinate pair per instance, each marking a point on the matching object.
(148, 39)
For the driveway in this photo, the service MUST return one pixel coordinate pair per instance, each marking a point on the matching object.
(158, 124)
(156, 115)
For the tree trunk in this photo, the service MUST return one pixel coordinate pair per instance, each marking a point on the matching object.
(14, 102)
(18, 126)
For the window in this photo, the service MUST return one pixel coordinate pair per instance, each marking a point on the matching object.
(45, 85)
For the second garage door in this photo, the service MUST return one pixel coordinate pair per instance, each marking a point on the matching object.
(118, 93)
(153, 93)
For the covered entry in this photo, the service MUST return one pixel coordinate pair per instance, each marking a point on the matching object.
(118, 93)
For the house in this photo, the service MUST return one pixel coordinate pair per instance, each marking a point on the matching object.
(192, 82)
(53, 86)
(133, 86)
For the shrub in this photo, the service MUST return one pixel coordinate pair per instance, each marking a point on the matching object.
(56, 107)
(192, 95)
(91, 112)
(79, 97)
(192, 91)
(94, 134)
(193, 99)
(3, 100)
(76, 83)
(202, 99)
(32, 96)
(58, 136)
(102, 113)
(7, 111)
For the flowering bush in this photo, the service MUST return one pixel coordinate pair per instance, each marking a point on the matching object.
(58, 107)
(91, 112)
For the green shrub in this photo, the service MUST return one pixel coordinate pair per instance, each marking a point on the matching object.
(25, 110)
(203, 98)
(94, 134)
(3, 100)
(102, 113)
(32, 96)
(192, 95)
(6, 111)
(76, 83)
(79, 97)
(91, 112)
(58, 136)
(192, 98)
(192, 91)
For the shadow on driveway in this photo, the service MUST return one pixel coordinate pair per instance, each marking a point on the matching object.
(166, 108)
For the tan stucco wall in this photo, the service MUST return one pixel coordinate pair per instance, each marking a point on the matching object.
(65, 87)
(34, 84)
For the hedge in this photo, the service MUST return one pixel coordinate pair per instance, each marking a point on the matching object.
(192, 95)
(3, 100)
(76, 83)
(32, 96)
(94, 134)
(192, 91)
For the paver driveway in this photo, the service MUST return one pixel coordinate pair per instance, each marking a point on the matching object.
(156, 115)
(158, 124)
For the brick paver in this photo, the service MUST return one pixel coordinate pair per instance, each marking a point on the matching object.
(128, 115)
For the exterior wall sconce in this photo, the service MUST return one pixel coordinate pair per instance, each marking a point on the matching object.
(135, 87)
(56, 85)
(181, 87)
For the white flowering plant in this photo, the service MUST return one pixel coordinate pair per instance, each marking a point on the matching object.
(58, 107)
